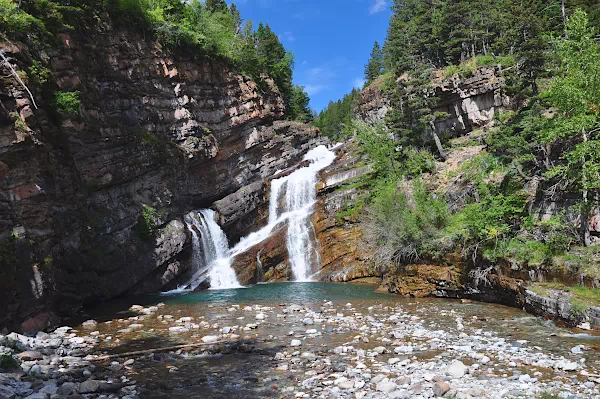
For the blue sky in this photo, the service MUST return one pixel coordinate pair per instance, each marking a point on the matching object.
(331, 39)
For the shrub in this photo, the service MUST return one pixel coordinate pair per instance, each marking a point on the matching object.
(147, 222)
(7, 361)
(67, 102)
(405, 226)
(39, 73)
(529, 252)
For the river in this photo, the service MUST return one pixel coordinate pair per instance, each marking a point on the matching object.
(340, 340)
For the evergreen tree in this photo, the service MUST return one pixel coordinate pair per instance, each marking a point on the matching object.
(216, 5)
(374, 68)
(237, 18)
(300, 105)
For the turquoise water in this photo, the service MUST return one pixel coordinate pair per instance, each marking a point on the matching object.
(285, 293)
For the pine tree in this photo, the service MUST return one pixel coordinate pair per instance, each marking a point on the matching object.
(237, 18)
(216, 5)
(374, 68)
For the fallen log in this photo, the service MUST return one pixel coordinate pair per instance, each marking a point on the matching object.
(165, 349)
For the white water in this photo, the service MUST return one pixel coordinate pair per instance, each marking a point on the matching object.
(294, 196)
(292, 200)
(212, 243)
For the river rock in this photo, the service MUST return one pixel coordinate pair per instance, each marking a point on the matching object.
(90, 386)
(210, 339)
(440, 388)
(386, 386)
(457, 369)
(30, 355)
(296, 342)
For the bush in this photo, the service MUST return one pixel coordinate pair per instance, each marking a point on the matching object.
(405, 225)
(39, 73)
(8, 362)
(147, 223)
(67, 102)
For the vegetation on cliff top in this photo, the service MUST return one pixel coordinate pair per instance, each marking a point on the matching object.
(549, 147)
(210, 28)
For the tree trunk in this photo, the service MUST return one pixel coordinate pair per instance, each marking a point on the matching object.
(563, 10)
(17, 77)
(438, 142)
(585, 208)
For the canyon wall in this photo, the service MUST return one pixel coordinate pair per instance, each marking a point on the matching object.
(92, 203)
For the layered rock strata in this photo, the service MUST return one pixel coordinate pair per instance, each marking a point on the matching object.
(92, 202)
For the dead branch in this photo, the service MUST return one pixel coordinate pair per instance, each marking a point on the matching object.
(16, 76)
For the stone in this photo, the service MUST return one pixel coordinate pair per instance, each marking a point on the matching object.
(386, 386)
(90, 386)
(30, 355)
(296, 343)
(210, 339)
(67, 389)
(457, 369)
(7, 392)
(440, 388)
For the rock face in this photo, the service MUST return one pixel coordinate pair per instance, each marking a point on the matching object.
(92, 204)
(470, 102)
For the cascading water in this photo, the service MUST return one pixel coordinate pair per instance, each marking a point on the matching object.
(212, 243)
(292, 200)
(294, 196)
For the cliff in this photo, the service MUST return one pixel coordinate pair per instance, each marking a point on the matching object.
(92, 203)
(469, 102)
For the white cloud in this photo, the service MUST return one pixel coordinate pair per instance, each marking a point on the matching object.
(359, 83)
(313, 89)
(289, 36)
(378, 6)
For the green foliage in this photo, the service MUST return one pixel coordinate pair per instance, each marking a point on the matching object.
(67, 102)
(351, 210)
(146, 225)
(488, 221)
(299, 105)
(574, 93)
(375, 66)
(8, 362)
(335, 121)
(405, 225)
(528, 252)
(16, 23)
(39, 73)
(466, 69)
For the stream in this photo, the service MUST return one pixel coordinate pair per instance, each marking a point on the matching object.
(325, 340)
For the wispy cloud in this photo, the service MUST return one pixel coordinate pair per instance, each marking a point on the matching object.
(289, 36)
(378, 6)
(314, 89)
(359, 83)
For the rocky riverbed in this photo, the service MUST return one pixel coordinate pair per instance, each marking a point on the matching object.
(252, 344)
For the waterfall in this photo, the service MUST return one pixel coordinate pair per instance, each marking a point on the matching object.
(292, 200)
(212, 244)
(293, 197)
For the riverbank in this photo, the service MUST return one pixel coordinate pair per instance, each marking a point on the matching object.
(313, 340)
